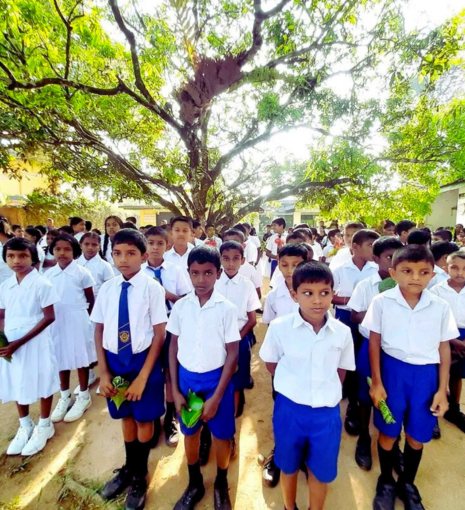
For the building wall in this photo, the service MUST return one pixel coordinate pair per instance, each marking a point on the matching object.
(29, 180)
(447, 209)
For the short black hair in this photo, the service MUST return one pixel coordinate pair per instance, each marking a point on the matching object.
(385, 243)
(404, 226)
(88, 225)
(90, 235)
(333, 232)
(231, 245)
(66, 229)
(41, 229)
(75, 220)
(443, 248)
(196, 224)
(32, 231)
(279, 221)
(241, 228)
(456, 255)
(130, 224)
(364, 235)
(301, 225)
(14, 227)
(311, 272)
(412, 253)
(204, 254)
(388, 224)
(445, 235)
(132, 219)
(69, 239)
(130, 236)
(248, 226)
(353, 225)
(297, 235)
(234, 232)
(293, 250)
(303, 230)
(20, 244)
(419, 237)
(183, 219)
(157, 231)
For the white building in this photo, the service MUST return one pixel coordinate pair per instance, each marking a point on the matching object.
(449, 207)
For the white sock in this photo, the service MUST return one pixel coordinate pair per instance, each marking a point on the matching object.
(44, 422)
(84, 394)
(65, 393)
(91, 372)
(26, 422)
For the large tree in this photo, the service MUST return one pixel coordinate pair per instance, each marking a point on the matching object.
(179, 104)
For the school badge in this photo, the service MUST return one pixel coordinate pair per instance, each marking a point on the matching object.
(124, 336)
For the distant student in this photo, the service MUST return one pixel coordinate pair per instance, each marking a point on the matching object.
(453, 291)
(34, 236)
(72, 329)
(79, 227)
(442, 235)
(49, 260)
(419, 237)
(211, 240)
(113, 224)
(171, 278)
(181, 229)
(250, 249)
(344, 254)
(405, 373)
(403, 229)
(389, 228)
(362, 296)
(334, 241)
(17, 230)
(26, 310)
(130, 319)
(308, 353)
(441, 250)
(346, 277)
(276, 242)
(198, 233)
(204, 351)
(317, 249)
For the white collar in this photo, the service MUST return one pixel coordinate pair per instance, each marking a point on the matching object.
(350, 264)
(146, 265)
(299, 321)
(235, 279)
(445, 284)
(138, 279)
(396, 294)
(72, 269)
(27, 281)
(189, 248)
(216, 297)
(282, 290)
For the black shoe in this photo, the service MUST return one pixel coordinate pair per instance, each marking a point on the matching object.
(436, 431)
(171, 431)
(240, 405)
(205, 445)
(271, 472)
(192, 495)
(385, 498)
(397, 458)
(137, 494)
(410, 496)
(156, 433)
(455, 416)
(352, 421)
(363, 453)
(221, 498)
(114, 487)
(233, 448)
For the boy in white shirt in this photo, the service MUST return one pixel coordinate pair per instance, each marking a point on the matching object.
(211, 240)
(172, 279)
(276, 242)
(181, 231)
(440, 253)
(198, 232)
(403, 229)
(334, 241)
(346, 277)
(344, 254)
(410, 330)
(308, 353)
(130, 319)
(453, 291)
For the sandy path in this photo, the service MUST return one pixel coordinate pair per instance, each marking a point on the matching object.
(91, 448)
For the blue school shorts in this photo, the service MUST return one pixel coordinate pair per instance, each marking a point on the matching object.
(151, 406)
(241, 378)
(410, 389)
(222, 425)
(344, 317)
(274, 265)
(312, 434)
(457, 369)
(363, 371)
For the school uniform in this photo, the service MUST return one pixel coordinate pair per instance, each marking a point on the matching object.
(251, 273)
(241, 293)
(328, 248)
(32, 373)
(317, 251)
(198, 242)
(48, 256)
(100, 269)
(410, 342)
(72, 330)
(306, 418)
(273, 244)
(41, 255)
(213, 242)
(173, 257)
(142, 299)
(256, 241)
(342, 255)
(107, 255)
(277, 278)
(203, 333)
(456, 301)
(439, 277)
(251, 252)
(78, 236)
(278, 302)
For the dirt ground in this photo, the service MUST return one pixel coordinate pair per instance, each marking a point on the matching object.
(82, 456)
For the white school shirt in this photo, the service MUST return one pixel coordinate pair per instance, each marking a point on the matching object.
(5, 271)
(317, 251)
(41, 255)
(43, 242)
(412, 336)
(329, 247)
(70, 284)
(250, 252)
(214, 242)
(100, 269)
(439, 277)
(271, 242)
(23, 302)
(203, 332)
(455, 299)
(78, 236)
(108, 256)
(250, 272)
(256, 241)
(180, 260)
(348, 275)
(198, 242)
(343, 255)
(277, 278)
(241, 293)
(307, 361)
(173, 279)
(278, 303)
(146, 303)
(362, 297)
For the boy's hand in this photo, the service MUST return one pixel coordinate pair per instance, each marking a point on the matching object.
(458, 348)
(377, 393)
(179, 402)
(170, 296)
(106, 386)
(10, 349)
(440, 404)
(136, 389)
(210, 408)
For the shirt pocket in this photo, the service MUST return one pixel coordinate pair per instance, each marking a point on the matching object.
(331, 359)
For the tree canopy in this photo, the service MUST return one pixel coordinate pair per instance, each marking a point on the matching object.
(179, 102)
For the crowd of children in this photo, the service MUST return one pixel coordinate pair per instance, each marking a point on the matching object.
(376, 316)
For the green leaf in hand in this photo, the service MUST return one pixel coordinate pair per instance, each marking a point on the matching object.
(3, 343)
(121, 385)
(192, 414)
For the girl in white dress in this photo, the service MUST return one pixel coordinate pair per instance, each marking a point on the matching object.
(72, 331)
(49, 258)
(112, 225)
(26, 310)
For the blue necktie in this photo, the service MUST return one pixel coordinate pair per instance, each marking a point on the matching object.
(157, 275)
(124, 329)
